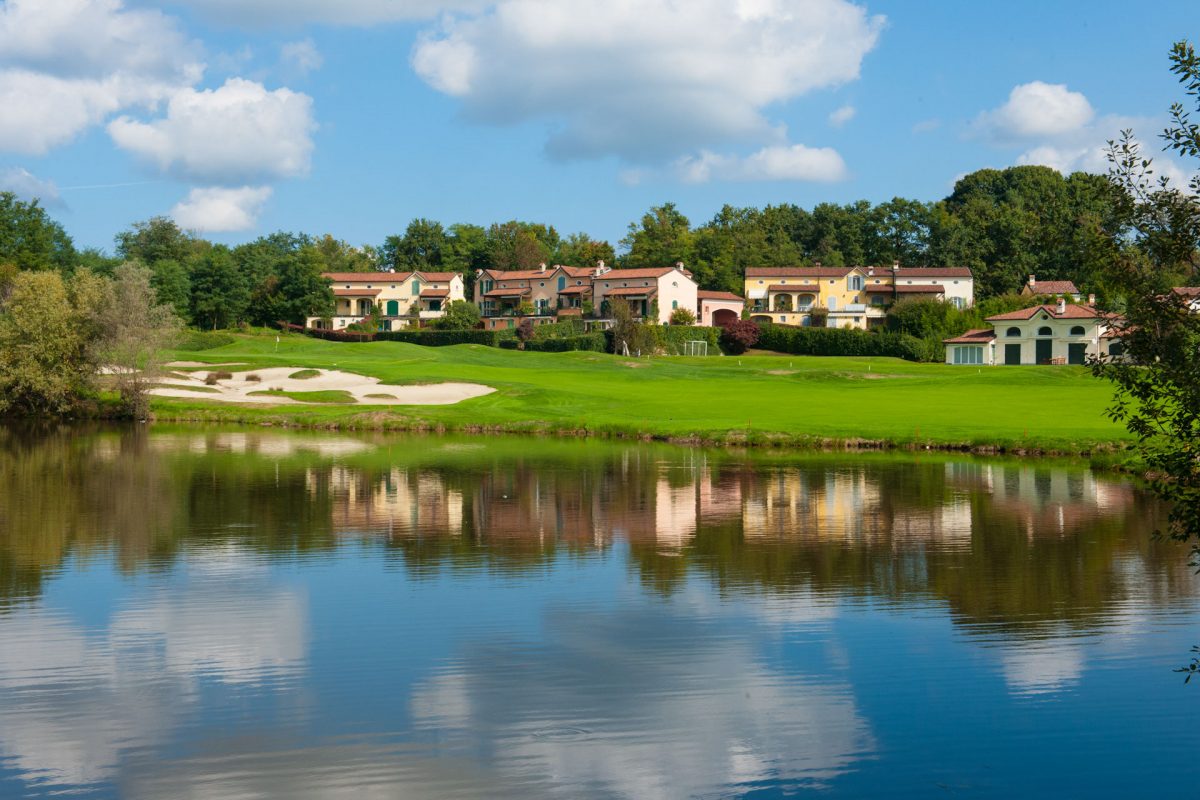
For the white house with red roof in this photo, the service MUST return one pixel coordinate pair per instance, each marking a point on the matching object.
(1062, 333)
(397, 298)
(652, 293)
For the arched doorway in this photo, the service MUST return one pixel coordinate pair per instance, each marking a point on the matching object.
(723, 317)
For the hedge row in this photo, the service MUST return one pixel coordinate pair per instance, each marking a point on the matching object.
(436, 338)
(593, 342)
(840, 342)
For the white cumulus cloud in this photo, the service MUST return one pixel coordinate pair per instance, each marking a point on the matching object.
(66, 65)
(342, 12)
(301, 57)
(218, 209)
(28, 186)
(1037, 109)
(842, 115)
(644, 79)
(794, 162)
(239, 133)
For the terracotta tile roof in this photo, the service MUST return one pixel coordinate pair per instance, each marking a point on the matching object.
(632, 291)
(927, 272)
(1187, 291)
(435, 293)
(1052, 287)
(366, 277)
(649, 272)
(437, 276)
(518, 274)
(973, 336)
(338, 291)
(586, 289)
(916, 289)
(704, 294)
(577, 272)
(873, 272)
(514, 291)
(794, 287)
(797, 272)
(1072, 311)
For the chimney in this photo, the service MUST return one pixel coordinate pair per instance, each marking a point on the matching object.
(817, 264)
(679, 266)
(1032, 282)
(870, 272)
(600, 264)
(1062, 306)
(895, 266)
(542, 267)
(1091, 299)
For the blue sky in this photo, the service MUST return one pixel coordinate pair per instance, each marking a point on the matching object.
(241, 117)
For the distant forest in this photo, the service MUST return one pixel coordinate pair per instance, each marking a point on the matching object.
(1003, 224)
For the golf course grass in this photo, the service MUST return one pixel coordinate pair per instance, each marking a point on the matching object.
(758, 399)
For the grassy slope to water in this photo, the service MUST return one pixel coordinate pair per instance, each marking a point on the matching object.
(783, 399)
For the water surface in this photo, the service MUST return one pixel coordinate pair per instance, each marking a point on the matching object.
(193, 613)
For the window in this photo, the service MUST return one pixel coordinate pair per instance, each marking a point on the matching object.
(1116, 349)
(1078, 331)
(970, 354)
(957, 302)
(674, 304)
(1013, 332)
(1045, 331)
(416, 287)
(806, 301)
(878, 299)
(855, 283)
(562, 283)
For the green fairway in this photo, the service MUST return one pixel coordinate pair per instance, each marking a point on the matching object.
(787, 399)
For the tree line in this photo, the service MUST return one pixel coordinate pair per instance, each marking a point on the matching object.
(1003, 224)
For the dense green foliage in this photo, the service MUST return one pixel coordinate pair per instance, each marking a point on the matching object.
(1158, 389)
(459, 315)
(30, 240)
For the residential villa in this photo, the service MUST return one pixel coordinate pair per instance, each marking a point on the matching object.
(1065, 289)
(1065, 333)
(398, 298)
(546, 292)
(652, 293)
(849, 297)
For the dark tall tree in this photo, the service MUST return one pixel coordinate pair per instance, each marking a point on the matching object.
(156, 239)
(662, 238)
(30, 239)
(220, 296)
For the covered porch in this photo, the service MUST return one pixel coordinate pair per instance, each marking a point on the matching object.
(354, 302)
(504, 302)
(639, 299)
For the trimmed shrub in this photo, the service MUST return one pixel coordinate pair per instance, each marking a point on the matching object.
(673, 339)
(432, 338)
(841, 342)
(593, 342)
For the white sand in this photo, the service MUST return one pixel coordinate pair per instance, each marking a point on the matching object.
(238, 390)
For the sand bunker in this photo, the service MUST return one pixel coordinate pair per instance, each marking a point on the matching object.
(364, 390)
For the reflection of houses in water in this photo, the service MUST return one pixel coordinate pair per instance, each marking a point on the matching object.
(397, 501)
(834, 503)
(1044, 499)
(521, 504)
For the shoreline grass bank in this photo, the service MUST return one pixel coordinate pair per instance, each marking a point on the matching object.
(756, 401)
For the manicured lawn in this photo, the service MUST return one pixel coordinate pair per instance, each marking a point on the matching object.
(721, 398)
(332, 396)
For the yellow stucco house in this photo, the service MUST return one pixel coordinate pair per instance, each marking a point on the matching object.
(400, 298)
(848, 297)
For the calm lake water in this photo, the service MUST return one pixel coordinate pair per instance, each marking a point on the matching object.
(215, 614)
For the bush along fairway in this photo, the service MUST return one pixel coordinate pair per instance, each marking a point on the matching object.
(780, 400)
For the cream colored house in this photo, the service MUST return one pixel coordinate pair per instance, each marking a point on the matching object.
(1065, 333)
(976, 346)
(853, 297)
(399, 298)
(652, 293)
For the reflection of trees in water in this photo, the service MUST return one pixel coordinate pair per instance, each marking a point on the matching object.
(67, 493)
(1005, 543)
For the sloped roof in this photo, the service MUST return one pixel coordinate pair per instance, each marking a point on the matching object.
(794, 287)
(435, 293)
(1187, 291)
(513, 291)
(366, 277)
(923, 288)
(797, 272)
(973, 336)
(339, 291)
(647, 272)
(876, 272)
(1052, 287)
(704, 294)
(437, 276)
(1071, 311)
